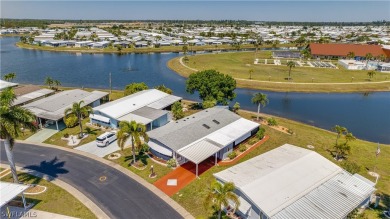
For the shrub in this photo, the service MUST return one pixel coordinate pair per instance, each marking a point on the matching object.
(144, 148)
(232, 155)
(351, 167)
(272, 122)
(171, 163)
(252, 141)
(66, 135)
(71, 121)
(242, 148)
(177, 111)
(260, 133)
(290, 131)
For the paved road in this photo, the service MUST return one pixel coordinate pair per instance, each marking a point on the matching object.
(119, 195)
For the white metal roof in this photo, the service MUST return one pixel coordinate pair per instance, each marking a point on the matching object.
(137, 118)
(128, 104)
(199, 151)
(31, 96)
(164, 102)
(277, 179)
(9, 191)
(99, 118)
(5, 84)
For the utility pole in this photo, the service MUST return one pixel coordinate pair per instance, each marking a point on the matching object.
(110, 85)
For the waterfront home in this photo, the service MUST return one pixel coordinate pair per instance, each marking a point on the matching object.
(149, 107)
(352, 64)
(293, 182)
(211, 132)
(28, 93)
(6, 84)
(384, 67)
(82, 43)
(50, 110)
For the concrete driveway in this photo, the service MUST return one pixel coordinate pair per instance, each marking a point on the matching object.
(92, 148)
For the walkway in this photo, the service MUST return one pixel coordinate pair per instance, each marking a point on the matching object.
(118, 194)
(41, 135)
(184, 175)
(16, 212)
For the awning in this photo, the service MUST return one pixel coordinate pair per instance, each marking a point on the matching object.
(160, 149)
(99, 118)
(9, 191)
(199, 151)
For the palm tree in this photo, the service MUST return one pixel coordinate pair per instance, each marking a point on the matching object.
(349, 137)
(259, 99)
(339, 130)
(56, 83)
(134, 131)
(250, 73)
(219, 195)
(371, 74)
(9, 76)
(351, 55)
(78, 110)
(12, 119)
(290, 64)
(368, 57)
(49, 81)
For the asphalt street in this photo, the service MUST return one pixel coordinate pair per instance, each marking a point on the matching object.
(116, 194)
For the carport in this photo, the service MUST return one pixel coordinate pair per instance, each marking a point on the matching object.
(200, 151)
(9, 191)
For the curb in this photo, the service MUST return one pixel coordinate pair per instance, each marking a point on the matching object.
(183, 212)
(99, 213)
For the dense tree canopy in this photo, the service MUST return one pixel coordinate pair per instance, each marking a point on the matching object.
(135, 87)
(212, 85)
(163, 88)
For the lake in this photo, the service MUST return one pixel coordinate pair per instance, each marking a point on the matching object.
(366, 115)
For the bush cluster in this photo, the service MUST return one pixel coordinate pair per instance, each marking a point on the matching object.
(232, 155)
(171, 163)
(272, 122)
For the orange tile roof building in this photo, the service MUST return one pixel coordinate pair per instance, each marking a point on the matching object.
(341, 50)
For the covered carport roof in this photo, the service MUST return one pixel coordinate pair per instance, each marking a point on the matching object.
(9, 191)
(200, 151)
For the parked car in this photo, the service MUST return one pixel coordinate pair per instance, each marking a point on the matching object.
(105, 139)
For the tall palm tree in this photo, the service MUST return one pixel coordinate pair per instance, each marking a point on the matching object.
(49, 81)
(259, 99)
(9, 76)
(12, 119)
(290, 64)
(56, 83)
(78, 110)
(339, 130)
(371, 74)
(134, 131)
(349, 137)
(351, 55)
(219, 195)
(368, 57)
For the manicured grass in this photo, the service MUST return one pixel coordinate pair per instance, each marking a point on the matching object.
(92, 134)
(363, 153)
(127, 158)
(24, 135)
(238, 64)
(55, 199)
(138, 50)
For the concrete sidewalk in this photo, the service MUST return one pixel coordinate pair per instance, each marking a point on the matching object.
(15, 212)
(41, 135)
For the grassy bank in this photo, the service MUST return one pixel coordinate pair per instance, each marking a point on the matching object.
(272, 77)
(54, 199)
(140, 50)
(363, 153)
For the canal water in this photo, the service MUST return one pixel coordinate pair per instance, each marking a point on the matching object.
(366, 115)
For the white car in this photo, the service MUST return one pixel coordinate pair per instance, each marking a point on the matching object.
(105, 139)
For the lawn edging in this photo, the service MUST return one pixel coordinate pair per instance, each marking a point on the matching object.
(96, 210)
(184, 213)
(239, 157)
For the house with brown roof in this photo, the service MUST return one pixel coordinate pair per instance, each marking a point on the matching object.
(336, 51)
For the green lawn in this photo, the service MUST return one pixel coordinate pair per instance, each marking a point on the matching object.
(55, 199)
(127, 157)
(363, 153)
(24, 135)
(92, 134)
(238, 65)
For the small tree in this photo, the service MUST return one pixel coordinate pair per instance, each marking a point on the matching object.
(220, 195)
(259, 99)
(340, 130)
(177, 111)
(371, 74)
(57, 83)
(236, 107)
(209, 103)
(290, 64)
(164, 89)
(134, 88)
(9, 76)
(250, 73)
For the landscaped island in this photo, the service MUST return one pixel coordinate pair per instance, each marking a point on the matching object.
(240, 65)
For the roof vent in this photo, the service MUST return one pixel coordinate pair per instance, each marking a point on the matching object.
(216, 122)
(133, 104)
(206, 126)
(193, 117)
